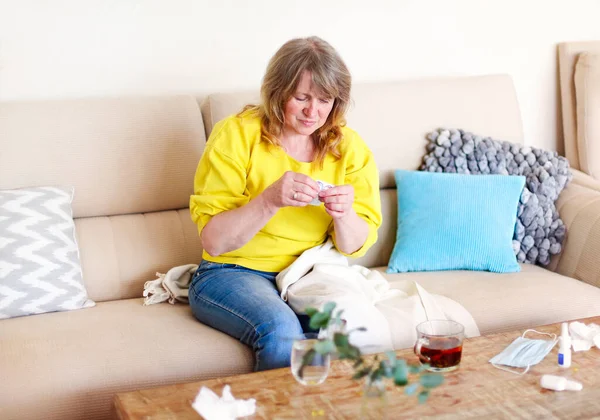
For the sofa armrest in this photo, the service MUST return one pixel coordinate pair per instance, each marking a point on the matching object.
(579, 208)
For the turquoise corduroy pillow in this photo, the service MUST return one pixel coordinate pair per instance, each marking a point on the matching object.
(450, 221)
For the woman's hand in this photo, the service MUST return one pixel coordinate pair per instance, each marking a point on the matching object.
(338, 200)
(292, 189)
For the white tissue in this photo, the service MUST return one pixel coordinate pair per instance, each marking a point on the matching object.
(212, 407)
(583, 337)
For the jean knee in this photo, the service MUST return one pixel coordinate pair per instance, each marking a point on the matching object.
(274, 341)
(282, 324)
(290, 328)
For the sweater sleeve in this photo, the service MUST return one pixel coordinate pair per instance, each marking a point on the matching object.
(220, 180)
(362, 174)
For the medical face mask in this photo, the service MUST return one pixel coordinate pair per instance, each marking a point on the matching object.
(524, 353)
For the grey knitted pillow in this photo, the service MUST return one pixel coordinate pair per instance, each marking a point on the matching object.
(539, 231)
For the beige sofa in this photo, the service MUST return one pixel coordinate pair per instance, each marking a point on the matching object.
(132, 161)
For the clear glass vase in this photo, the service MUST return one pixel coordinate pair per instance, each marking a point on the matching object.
(308, 369)
(374, 400)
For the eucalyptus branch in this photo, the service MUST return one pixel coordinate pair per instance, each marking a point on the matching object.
(373, 368)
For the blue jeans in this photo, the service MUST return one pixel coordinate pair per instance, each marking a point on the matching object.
(245, 304)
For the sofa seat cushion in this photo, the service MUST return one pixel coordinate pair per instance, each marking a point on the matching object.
(70, 364)
(504, 302)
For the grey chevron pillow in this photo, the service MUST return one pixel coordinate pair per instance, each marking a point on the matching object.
(39, 258)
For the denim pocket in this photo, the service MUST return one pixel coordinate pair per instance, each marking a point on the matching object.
(202, 268)
(206, 271)
(201, 276)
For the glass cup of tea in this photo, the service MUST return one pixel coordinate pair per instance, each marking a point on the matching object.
(308, 366)
(439, 344)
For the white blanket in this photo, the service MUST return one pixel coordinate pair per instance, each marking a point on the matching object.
(321, 274)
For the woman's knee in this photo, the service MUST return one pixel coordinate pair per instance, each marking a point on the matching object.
(279, 321)
(274, 340)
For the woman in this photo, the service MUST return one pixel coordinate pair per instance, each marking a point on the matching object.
(252, 191)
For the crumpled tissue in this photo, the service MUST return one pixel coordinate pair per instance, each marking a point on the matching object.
(212, 407)
(584, 336)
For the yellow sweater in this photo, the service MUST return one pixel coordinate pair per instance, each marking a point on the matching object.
(237, 166)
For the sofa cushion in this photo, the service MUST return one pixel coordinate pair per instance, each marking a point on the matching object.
(504, 302)
(587, 91)
(120, 253)
(70, 364)
(455, 221)
(123, 155)
(39, 260)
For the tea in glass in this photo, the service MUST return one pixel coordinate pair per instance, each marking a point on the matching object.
(439, 344)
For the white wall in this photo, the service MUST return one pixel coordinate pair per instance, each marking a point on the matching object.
(75, 48)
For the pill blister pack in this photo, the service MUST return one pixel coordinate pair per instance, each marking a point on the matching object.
(322, 186)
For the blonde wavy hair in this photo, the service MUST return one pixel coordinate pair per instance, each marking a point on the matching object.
(330, 77)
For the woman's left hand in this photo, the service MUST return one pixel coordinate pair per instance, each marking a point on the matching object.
(338, 200)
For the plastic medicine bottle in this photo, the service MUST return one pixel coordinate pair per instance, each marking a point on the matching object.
(558, 383)
(564, 346)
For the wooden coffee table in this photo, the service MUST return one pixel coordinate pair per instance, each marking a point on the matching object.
(476, 389)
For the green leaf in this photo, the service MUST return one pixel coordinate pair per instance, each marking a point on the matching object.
(423, 395)
(354, 351)
(362, 372)
(414, 369)
(338, 314)
(308, 357)
(400, 373)
(385, 368)
(345, 354)
(402, 363)
(310, 311)
(340, 340)
(388, 368)
(411, 389)
(329, 307)
(306, 360)
(324, 347)
(350, 352)
(319, 320)
(378, 373)
(431, 380)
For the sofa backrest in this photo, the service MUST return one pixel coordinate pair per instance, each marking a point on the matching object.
(577, 102)
(394, 118)
(131, 161)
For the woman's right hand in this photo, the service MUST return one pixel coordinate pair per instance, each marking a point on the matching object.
(292, 189)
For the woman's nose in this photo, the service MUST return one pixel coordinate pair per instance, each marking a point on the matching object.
(310, 109)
